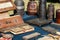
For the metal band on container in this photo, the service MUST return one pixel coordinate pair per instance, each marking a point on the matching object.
(20, 7)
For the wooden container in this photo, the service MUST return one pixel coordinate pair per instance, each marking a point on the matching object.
(6, 6)
(58, 16)
(20, 7)
(50, 13)
(42, 9)
(32, 7)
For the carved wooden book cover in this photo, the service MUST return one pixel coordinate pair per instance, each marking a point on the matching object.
(6, 6)
(11, 21)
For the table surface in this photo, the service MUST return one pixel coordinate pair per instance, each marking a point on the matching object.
(37, 29)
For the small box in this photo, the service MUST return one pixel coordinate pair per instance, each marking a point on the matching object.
(6, 6)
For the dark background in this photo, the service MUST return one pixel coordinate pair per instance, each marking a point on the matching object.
(54, 1)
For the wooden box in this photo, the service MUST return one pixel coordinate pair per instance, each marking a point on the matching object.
(15, 25)
(11, 21)
(6, 6)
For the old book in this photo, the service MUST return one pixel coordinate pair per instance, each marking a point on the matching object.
(11, 21)
(6, 6)
(22, 29)
(27, 37)
(38, 21)
(51, 30)
(3, 0)
(15, 25)
(55, 25)
(54, 36)
(45, 38)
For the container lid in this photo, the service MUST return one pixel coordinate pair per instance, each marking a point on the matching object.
(51, 5)
(58, 10)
